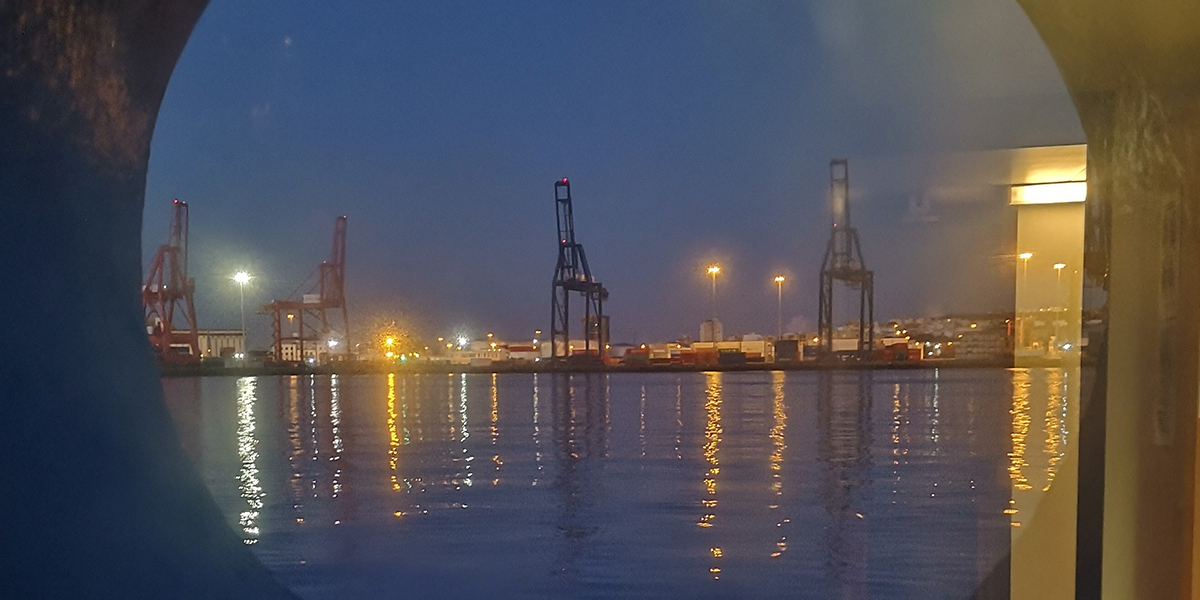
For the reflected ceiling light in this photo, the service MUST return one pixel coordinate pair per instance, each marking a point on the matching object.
(1059, 192)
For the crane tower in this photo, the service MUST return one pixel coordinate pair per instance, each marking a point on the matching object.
(313, 309)
(573, 276)
(170, 314)
(843, 262)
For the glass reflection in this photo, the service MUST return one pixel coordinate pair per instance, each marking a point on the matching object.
(1021, 419)
(1056, 423)
(1050, 394)
(247, 444)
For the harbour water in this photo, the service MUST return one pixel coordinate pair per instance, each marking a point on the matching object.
(863, 484)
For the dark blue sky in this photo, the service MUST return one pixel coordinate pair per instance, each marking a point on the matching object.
(691, 131)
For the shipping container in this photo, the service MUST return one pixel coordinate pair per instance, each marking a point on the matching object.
(731, 358)
(787, 350)
(706, 357)
(636, 356)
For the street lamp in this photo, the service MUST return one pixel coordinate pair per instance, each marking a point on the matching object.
(1024, 256)
(713, 270)
(779, 279)
(242, 278)
(1058, 267)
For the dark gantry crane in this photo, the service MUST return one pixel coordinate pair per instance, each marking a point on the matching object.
(170, 314)
(844, 262)
(321, 293)
(572, 275)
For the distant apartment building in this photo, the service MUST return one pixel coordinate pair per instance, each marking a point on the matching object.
(711, 331)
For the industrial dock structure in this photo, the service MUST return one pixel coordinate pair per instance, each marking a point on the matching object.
(310, 327)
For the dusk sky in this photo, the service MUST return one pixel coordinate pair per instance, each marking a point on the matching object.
(691, 131)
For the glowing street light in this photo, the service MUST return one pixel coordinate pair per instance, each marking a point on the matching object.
(1058, 267)
(1025, 256)
(779, 279)
(713, 271)
(242, 278)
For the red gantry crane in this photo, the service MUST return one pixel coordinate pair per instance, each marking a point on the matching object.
(167, 296)
(308, 313)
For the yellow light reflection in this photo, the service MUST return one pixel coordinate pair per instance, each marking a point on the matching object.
(463, 475)
(495, 433)
(335, 422)
(1056, 417)
(711, 450)
(393, 433)
(537, 432)
(1021, 420)
(778, 445)
(247, 444)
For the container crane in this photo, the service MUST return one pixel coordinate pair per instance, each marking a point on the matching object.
(315, 306)
(573, 276)
(170, 313)
(843, 262)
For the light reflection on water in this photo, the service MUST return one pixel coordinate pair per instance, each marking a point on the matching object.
(247, 445)
(887, 484)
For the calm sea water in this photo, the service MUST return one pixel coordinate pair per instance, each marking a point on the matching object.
(886, 484)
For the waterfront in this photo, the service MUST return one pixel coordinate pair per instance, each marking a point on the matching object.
(856, 484)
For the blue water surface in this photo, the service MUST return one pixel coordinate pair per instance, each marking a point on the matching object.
(856, 484)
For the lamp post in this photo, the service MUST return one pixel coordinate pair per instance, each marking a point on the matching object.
(242, 278)
(713, 270)
(779, 279)
(1058, 267)
(1024, 256)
